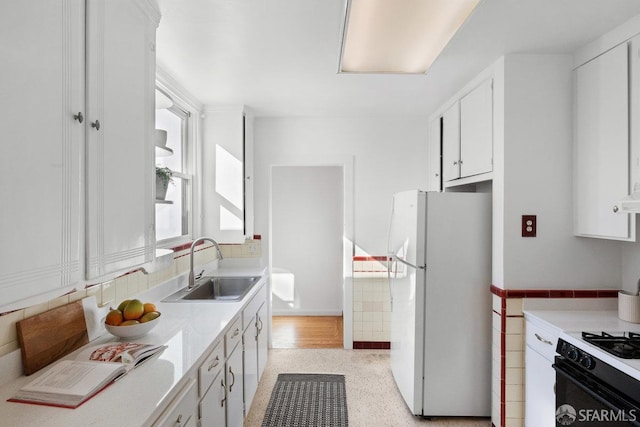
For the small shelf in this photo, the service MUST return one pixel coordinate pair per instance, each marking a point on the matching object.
(164, 202)
(163, 151)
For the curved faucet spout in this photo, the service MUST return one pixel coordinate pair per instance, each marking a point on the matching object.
(193, 245)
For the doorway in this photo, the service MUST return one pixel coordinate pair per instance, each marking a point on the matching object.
(306, 251)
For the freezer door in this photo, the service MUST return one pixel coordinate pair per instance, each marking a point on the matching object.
(407, 227)
(407, 332)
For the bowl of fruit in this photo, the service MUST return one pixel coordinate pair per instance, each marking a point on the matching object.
(131, 319)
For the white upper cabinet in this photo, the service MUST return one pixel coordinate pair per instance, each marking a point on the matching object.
(227, 169)
(451, 142)
(467, 135)
(602, 146)
(434, 156)
(120, 153)
(42, 86)
(476, 131)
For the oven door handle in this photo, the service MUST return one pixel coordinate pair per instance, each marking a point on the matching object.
(611, 400)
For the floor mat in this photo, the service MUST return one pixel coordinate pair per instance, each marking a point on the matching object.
(307, 400)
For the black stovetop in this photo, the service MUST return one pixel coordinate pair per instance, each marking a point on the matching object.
(626, 346)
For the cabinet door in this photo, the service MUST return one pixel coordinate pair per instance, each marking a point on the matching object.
(223, 177)
(120, 112)
(250, 362)
(42, 75)
(182, 411)
(212, 405)
(263, 343)
(540, 379)
(451, 143)
(476, 131)
(434, 183)
(602, 146)
(235, 403)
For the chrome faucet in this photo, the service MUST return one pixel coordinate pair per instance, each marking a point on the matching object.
(193, 245)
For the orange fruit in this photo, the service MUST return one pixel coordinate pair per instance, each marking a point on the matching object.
(149, 307)
(129, 322)
(133, 310)
(114, 318)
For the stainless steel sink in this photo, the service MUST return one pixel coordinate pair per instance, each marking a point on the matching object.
(215, 289)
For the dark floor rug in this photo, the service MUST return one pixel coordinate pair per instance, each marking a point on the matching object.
(314, 400)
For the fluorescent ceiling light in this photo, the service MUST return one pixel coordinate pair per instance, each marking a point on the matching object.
(399, 36)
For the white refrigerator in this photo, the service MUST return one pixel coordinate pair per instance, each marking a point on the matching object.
(440, 277)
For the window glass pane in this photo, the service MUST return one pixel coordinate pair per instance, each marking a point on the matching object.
(173, 124)
(169, 217)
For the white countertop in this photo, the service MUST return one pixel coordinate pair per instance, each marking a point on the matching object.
(189, 329)
(571, 324)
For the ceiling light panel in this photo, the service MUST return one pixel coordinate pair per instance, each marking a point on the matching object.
(399, 36)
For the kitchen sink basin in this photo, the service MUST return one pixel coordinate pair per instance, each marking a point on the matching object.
(215, 289)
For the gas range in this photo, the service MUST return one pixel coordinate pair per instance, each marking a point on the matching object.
(620, 349)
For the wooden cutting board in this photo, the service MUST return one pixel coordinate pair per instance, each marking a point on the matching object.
(46, 337)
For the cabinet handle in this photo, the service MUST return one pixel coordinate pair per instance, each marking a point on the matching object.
(460, 162)
(236, 332)
(96, 124)
(178, 421)
(215, 363)
(455, 163)
(542, 339)
(260, 328)
(616, 209)
(224, 395)
(79, 117)
(233, 379)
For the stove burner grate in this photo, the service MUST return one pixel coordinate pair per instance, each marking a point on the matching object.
(626, 346)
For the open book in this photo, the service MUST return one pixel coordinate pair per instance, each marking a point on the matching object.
(69, 383)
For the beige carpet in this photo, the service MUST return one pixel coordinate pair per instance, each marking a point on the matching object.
(372, 396)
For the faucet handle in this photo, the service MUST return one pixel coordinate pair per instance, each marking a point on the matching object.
(199, 275)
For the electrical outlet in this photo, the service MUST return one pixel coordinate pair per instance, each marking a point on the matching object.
(252, 248)
(529, 226)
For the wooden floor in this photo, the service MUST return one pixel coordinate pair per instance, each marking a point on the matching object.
(306, 332)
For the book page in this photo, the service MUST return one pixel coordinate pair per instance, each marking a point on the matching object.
(73, 377)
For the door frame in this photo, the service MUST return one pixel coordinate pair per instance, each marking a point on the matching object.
(348, 242)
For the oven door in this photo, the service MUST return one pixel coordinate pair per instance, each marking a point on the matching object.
(583, 400)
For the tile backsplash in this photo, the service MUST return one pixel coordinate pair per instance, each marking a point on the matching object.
(113, 291)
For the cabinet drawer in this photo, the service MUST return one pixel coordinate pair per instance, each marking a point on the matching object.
(233, 336)
(249, 312)
(210, 368)
(541, 339)
(183, 409)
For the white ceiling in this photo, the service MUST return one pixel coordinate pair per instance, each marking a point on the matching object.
(280, 57)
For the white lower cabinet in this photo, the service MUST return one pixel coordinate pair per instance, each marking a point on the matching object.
(212, 406)
(540, 377)
(228, 377)
(263, 343)
(235, 395)
(181, 412)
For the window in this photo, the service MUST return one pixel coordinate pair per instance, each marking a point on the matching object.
(173, 214)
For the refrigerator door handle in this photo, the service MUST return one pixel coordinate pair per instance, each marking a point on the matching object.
(419, 267)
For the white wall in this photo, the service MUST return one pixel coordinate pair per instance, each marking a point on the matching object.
(535, 177)
(307, 207)
(380, 156)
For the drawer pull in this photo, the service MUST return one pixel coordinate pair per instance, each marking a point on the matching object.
(179, 421)
(260, 328)
(542, 339)
(236, 332)
(223, 392)
(215, 363)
